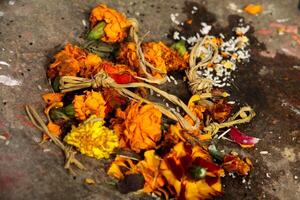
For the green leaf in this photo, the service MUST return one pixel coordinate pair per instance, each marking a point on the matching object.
(179, 47)
(57, 114)
(197, 172)
(215, 153)
(97, 32)
(55, 84)
(69, 110)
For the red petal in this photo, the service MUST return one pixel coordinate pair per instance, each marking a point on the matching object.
(123, 78)
(242, 138)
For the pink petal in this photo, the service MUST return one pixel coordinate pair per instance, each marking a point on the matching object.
(242, 138)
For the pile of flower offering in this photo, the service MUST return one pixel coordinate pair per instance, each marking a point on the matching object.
(102, 106)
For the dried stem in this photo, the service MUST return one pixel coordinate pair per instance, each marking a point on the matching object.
(69, 83)
(142, 61)
(68, 151)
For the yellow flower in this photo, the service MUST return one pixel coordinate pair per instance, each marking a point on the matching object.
(116, 23)
(88, 104)
(92, 138)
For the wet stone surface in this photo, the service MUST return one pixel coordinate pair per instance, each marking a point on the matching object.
(32, 31)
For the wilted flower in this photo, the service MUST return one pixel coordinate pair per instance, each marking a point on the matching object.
(88, 104)
(149, 168)
(191, 172)
(232, 163)
(91, 66)
(220, 111)
(162, 57)
(120, 167)
(139, 126)
(92, 138)
(68, 62)
(116, 23)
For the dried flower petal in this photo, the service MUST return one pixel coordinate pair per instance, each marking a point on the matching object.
(253, 9)
(120, 167)
(221, 111)
(113, 98)
(51, 98)
(127, 55)
(91, 66)
(54, 129)
(116, 23)
(149, 168)
(233, 163)
(242, 139)
(92, 138)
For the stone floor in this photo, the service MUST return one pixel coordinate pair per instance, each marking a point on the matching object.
(31, 31)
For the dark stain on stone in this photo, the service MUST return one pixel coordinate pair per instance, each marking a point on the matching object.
(263, 93)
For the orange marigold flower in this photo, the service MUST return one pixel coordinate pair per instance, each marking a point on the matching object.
(91, 66)
(178, 169)
(67, 62)
(162, 57)
(116, 23)
(127, 55)
(233, 163)
(141, 126)
(88, 104)
(51, 98)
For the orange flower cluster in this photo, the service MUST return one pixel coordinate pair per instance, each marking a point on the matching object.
(88, 104)
(163, 58)
(138, 127)
(71, 61)
(116, 23)
(175, 170)
(170, 161)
